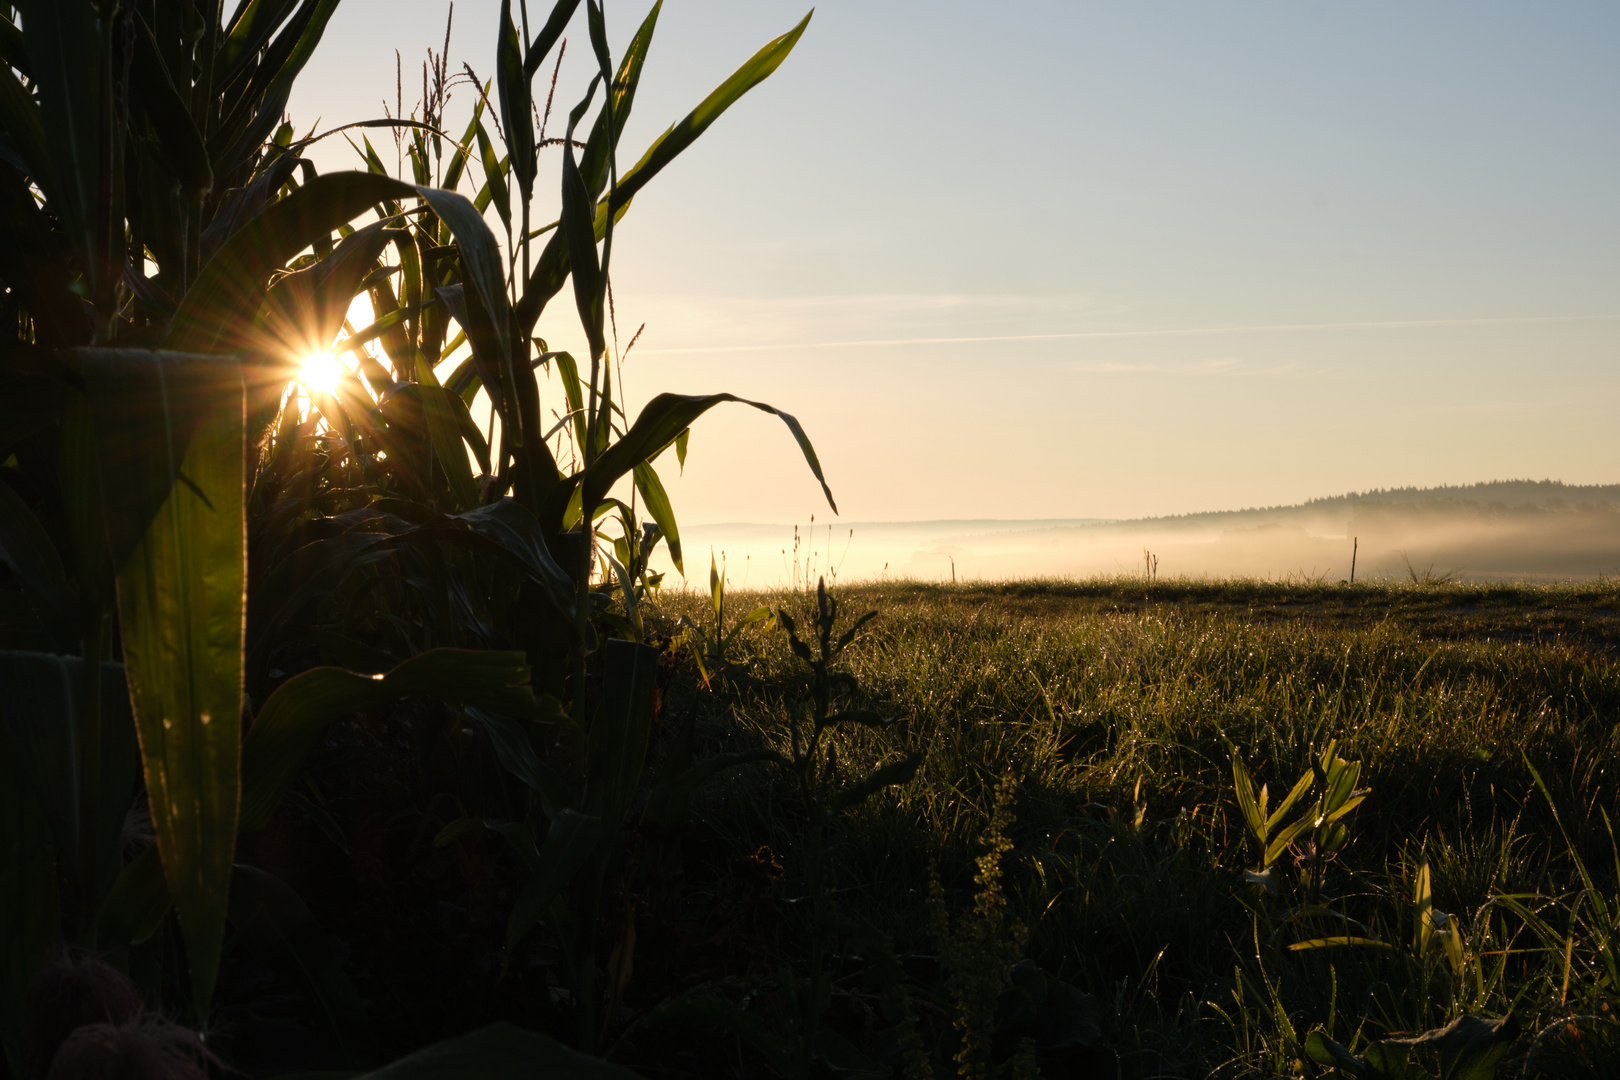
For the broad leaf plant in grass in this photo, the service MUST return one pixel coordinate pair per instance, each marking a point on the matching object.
(207, 566)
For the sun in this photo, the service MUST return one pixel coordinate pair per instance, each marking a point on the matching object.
(320, 372)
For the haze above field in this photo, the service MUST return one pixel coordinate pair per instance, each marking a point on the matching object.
(1100, 260)
(1514, 530)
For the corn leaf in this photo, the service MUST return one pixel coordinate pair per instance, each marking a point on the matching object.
(665, 417)
(184, 151)
(580, 237)
(619, 732)
(145, 407)
(295, 716)
(34, 562)
(495, 177)
(13, 50)
(556, 23)
(305, 310)
(273, 925)
(65, 42)
(25, 125)
(570, 842)
(499, 1052)
(661, 509)
(758, 68)
(181, 615)
(30, 923)
(512, 87)
(444, 429)
(593, 160)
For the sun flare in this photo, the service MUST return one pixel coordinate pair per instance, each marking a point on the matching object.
(320, 372)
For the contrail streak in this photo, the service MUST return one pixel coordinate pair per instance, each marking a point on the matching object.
(1273, 328)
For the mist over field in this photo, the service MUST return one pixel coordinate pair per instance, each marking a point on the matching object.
(1510, 530)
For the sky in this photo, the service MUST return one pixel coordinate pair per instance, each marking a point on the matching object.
(1059, 259)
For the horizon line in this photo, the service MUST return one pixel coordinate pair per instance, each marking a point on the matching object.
(1079, 334)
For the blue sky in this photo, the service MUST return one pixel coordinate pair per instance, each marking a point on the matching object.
(1233, 254)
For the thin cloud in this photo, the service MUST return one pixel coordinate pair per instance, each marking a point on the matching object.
(1396, 324)
(1225, 365)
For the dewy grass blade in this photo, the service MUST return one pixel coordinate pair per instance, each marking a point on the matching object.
(181, 608)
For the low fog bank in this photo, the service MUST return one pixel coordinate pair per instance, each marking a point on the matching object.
(1505, 530)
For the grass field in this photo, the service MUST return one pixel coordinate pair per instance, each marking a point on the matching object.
(1118, 706)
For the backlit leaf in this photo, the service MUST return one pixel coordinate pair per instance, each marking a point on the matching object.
(181, 615)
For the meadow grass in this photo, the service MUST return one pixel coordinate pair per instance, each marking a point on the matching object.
(1119, 705)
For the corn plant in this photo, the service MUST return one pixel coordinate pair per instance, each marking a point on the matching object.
(181, 529)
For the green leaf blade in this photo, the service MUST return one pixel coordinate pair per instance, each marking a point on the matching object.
(181, 606)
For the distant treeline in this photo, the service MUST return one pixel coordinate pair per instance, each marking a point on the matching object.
(1493, 496)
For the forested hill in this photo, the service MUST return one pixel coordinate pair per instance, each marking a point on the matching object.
(1491, 497)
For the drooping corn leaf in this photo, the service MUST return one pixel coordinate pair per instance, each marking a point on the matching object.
(305, 310)
(181, 615)
(513, 749)
(293, 719)
(236, 279)
(664, 418)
